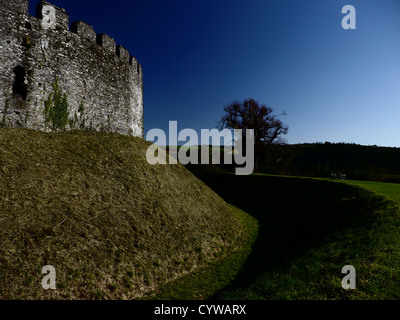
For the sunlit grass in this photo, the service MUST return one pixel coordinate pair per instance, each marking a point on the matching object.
(390, 190)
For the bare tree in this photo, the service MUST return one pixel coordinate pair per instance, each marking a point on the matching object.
(249, 114)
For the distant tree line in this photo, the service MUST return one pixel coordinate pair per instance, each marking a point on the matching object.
(321, 159)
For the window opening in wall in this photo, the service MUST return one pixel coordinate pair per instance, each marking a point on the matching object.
(20, 86)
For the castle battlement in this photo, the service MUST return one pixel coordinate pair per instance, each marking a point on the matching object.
(52, 17)
(102, 81)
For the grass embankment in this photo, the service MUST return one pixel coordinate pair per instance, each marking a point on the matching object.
(308, 230)
(112, 225)
(207, 282)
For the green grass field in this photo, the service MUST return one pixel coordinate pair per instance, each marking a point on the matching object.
(307, 230)
(389, 190)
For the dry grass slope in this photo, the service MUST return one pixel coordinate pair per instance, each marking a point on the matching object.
(113, 226)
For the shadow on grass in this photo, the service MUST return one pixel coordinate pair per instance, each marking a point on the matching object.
(294, 214)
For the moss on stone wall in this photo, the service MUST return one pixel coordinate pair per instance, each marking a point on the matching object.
(78, 121)
(56, 108)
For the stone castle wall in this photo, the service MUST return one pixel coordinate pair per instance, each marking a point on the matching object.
(102, 82)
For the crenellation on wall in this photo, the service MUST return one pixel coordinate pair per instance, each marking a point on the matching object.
(52, 16)
(132, 61)
(106, 42)
(123, 53)
(103, 94)
(140, 70)
(84, 30)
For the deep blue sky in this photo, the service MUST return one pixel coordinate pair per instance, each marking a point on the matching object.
(197, 56)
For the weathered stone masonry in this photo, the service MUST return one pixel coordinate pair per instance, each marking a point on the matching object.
(103, 83)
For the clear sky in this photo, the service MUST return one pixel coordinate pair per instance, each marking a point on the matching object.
(335, 85)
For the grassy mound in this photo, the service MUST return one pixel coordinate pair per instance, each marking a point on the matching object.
(112, 225)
